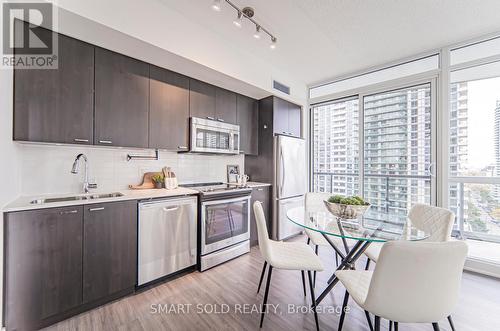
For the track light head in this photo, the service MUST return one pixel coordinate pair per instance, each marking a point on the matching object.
(273, 43)
(238, 22)
(257, 33)
(216, 5)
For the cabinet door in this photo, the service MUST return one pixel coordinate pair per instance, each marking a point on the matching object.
(110, 249)
(56, 105)
(121, 100)
(248, 120)
(260, 194)
(294, 119)
(225, 106)
(43, 273)
(201, 99)
(169, 110)
(280, 116)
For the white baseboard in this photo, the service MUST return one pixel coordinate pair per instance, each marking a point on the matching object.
(482, 267)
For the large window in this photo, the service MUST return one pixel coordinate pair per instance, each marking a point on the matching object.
(421, 131)
(397, 149)
(396, 144)
(474, 156)
(336, 147)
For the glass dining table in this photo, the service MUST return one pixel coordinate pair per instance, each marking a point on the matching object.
(372, 227)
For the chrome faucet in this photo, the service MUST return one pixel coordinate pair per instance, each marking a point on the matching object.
(75, 169)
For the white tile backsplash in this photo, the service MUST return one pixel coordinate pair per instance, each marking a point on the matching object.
(45, 169)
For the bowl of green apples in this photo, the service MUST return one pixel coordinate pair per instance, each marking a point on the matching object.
(349, 207)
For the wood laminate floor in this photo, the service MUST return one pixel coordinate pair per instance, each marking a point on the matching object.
(234, 284)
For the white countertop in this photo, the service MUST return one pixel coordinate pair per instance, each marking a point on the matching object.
(24, 202)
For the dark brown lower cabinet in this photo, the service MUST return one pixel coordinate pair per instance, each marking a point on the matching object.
(62, 261)
(260, 194)
(43, 265)
(109, 249)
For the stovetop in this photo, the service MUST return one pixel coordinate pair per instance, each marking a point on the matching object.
(216, 188)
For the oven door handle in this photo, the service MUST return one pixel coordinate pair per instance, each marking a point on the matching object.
(224, 201)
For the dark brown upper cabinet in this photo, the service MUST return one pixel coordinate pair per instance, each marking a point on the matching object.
(286, 117)
(211, 102)
(121, 100)
(56, 105)
(109, 249)
(280, 116)
(43, 259)
(201, 99)
(247, 112)
(294, 119)
(168, 110)
(225, 106)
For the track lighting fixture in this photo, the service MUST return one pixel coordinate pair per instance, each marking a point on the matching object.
(246, 13)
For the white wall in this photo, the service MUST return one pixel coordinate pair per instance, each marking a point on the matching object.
(45, 169)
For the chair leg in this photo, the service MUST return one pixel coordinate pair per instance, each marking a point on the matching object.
(367, 264)
(396, 326)
(266, 295)
(342, 315)
(390, 325)
(303, 281)
(262, 275)
(336, 259)
(435, 326)
(313, 299)
(308, 240)
(369, 320)
(315, 251)
(451, 323)
(377, 323)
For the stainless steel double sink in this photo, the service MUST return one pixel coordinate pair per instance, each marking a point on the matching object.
(77, 198)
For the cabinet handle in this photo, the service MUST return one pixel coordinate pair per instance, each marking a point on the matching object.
(220, 120)
(210, 118)
(105, 142)
(96, 209)
(78, 140)
(182, 147)
(69, 212)
(170, 208)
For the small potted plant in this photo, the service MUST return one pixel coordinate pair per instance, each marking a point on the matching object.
(346, 207)
(158, 180)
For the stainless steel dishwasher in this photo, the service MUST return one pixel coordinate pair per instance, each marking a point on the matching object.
(167, 237)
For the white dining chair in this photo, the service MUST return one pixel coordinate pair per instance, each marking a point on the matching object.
(436, 221)
(284, 255)
(414, 282)
(315, 202)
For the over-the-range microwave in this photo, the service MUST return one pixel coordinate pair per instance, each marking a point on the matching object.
(209, 136)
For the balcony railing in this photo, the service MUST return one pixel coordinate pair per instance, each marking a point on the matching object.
(476, 203)
(391, 198)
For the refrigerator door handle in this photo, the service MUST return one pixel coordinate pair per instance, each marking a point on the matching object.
(282, 172)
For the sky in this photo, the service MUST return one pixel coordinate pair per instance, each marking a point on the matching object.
(482, 98)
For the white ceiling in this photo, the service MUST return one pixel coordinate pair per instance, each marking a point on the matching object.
(322, 39)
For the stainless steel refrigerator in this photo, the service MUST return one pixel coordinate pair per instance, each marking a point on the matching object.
(290, 183)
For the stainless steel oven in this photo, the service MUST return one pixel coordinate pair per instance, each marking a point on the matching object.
(224, 230)
(209, 136)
